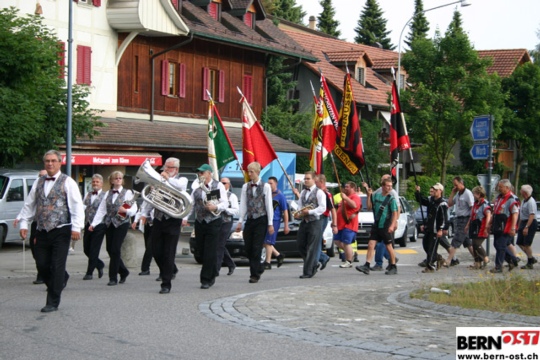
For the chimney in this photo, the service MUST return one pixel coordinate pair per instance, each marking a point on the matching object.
(312, 20)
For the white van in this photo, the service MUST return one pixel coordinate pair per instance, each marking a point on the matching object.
(15, 185)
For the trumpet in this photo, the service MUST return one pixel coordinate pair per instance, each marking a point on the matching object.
(299, 211)
(207, 190)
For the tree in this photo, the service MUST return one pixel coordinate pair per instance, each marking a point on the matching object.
(371, 27)
(522, 123)
(325, 21)
(419, 26)
(450, 87)
(288, 10)
(33, 109)
(535, 54)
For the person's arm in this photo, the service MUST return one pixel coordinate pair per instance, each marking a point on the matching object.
(243, 208)
(369, 199)
(321, 208)
(179, 183)
(101, 211)
(451, 201)
(75, 206)
(234, 209)
(532, 216)
(223, 200)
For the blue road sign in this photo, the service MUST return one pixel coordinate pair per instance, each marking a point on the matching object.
(480, 128)
(480, 151)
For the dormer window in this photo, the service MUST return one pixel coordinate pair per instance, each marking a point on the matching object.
(249, 19)
(360, 75)
(214, 10)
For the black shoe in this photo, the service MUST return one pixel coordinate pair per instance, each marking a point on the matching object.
(231, 270)
(48, 309)
(112, 283)
(66, 278)
(165, 291)
(100, 273)
(534, 260)
(323, 264)
(146, 272)
(423, 264)
(38, 281)
(123, 278)
(87, 277)
(253, 280)
(158, 278)
(279, 260)
(267, 266)
(355, 259)
(454, 262)
(306, 276)
(363, 268)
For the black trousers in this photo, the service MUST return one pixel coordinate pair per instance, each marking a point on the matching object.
(165, 237)
(254, 233)
(114, 238)
(92, 242)
(206, 241)
(223, 255)
(51, 251)
(147, 257)
(430, 244)
(308, 241)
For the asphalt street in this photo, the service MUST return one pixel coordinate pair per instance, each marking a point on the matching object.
(338, 313)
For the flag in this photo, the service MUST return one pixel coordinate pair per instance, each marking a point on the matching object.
(255, 144)
(349, 148)
(399, 138)
(323, 136)
(220, 148)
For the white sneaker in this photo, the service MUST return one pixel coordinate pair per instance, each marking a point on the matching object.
(71, 250)
(346, 264)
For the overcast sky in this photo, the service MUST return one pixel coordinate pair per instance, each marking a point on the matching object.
(490, 24)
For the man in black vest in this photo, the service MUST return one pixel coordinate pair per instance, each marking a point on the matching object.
(92, 240)
(56, 205)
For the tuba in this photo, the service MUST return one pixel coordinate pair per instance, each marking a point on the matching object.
(158, 192)
(207, 190)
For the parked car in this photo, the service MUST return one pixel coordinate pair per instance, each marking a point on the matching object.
(14, 188)
(406, 224)
(420, 219)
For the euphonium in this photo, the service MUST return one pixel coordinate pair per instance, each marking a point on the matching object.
(299, 211)
(207, 190)
(162, 195)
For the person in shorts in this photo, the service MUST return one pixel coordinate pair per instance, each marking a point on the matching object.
(527, 225)
(347, 221)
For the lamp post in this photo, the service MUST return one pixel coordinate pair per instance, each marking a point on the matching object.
(463, 3)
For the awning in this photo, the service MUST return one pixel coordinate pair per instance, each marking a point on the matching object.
(115, 158)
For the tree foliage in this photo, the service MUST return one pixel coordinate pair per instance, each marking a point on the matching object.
(371, 27)
(450, 87)
(288, 10)
(419, 27)
(326, 21)
(33, 108)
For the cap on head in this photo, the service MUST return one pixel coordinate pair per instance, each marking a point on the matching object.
(205, 167)
(438, 186)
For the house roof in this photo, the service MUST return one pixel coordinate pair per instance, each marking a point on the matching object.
(375, 92)
(167, 136)
(232, 30)
(348, 56)
(505, 61)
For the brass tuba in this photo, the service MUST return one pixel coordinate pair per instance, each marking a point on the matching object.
(162, 195)
(207, 190)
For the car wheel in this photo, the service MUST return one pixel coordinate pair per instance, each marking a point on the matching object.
(331, 251)
(402, 241)
(415, 235)
(2, 236)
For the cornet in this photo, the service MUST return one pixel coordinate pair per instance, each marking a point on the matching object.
(299, 211)
(207, 190)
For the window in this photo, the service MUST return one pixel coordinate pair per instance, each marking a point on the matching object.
(401, 81)
(135, 76)
(247, 88)
(84, 65)
(360, 75)
(214, 9)
(249, 19)
(173, 83)
(173, 79)
(29, 183)
(15, 192)
(214, 82)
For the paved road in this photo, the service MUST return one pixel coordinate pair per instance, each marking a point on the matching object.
(338, 313)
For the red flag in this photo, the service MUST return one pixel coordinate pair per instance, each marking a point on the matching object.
(349, 136)
(255, 144)
(399, 138)
(323, 136)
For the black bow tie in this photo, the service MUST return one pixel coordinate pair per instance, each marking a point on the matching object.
(115, 191)
(306, 188)
(253, 185)
(94, 192)
(50, 178)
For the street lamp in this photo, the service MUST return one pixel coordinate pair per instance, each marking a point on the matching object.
(463, 3)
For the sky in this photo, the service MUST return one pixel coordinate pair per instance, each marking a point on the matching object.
(490, 24)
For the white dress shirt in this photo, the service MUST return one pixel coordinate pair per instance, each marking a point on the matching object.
(267, 190)
(321, 199)
(102, 210)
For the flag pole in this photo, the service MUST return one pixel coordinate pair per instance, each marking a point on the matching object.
(335, 170)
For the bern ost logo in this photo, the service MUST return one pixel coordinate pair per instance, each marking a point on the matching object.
(507, 337)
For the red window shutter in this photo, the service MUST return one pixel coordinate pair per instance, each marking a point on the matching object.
(97, 3)
(182, 81)
(62, 58)
(221, 86)
(248, 19)
(175, 4)
(205, 84)
(84, 65)
(213, 10)
(248, 89)
(164, 77)
(80, 65)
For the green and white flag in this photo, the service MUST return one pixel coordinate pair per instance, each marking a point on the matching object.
(220, 149)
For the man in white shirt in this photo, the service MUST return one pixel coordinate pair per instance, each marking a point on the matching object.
(228, 216)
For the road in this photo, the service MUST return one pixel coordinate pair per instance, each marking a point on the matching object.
(338, 313)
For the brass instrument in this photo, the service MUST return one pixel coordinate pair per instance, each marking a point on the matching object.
(127, 205)
(162, 195)
(299, 211)
(207, 191)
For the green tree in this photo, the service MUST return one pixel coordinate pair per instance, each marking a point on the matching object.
(419, 26)
(33, 109)
(522, 123)
(326, 20)
(371, 27)
(535, 54)
(450, 87)
(288, 10)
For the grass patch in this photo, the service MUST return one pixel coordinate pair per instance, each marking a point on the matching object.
(510, 294)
